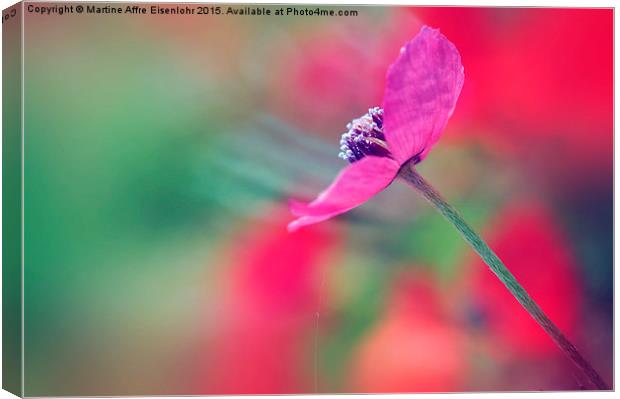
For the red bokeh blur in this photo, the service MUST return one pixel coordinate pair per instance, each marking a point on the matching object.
(537, 81)
(528, 240)
(414, 347)
(269, 302)
(336, 74)
(326, 74)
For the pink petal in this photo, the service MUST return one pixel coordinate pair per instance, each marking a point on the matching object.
(355, 184)
(422, 87)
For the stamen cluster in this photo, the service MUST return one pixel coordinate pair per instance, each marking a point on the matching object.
(364, 137)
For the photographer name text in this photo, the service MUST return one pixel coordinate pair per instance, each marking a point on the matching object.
(188, 10)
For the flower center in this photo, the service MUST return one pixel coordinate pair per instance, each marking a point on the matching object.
(365, 137)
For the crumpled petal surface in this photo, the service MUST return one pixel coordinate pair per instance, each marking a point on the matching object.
(422, 88)
(355, 184)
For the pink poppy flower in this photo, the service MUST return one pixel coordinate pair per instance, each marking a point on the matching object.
(422, 87)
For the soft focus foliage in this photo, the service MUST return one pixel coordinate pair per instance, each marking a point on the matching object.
(161, 154)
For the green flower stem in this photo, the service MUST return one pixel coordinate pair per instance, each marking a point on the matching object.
(409, 173)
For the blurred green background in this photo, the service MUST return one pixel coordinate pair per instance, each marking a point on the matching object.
(160, 152)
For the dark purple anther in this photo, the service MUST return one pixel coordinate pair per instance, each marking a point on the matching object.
(365, 137)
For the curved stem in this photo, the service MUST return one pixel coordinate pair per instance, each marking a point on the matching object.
(409, 174)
